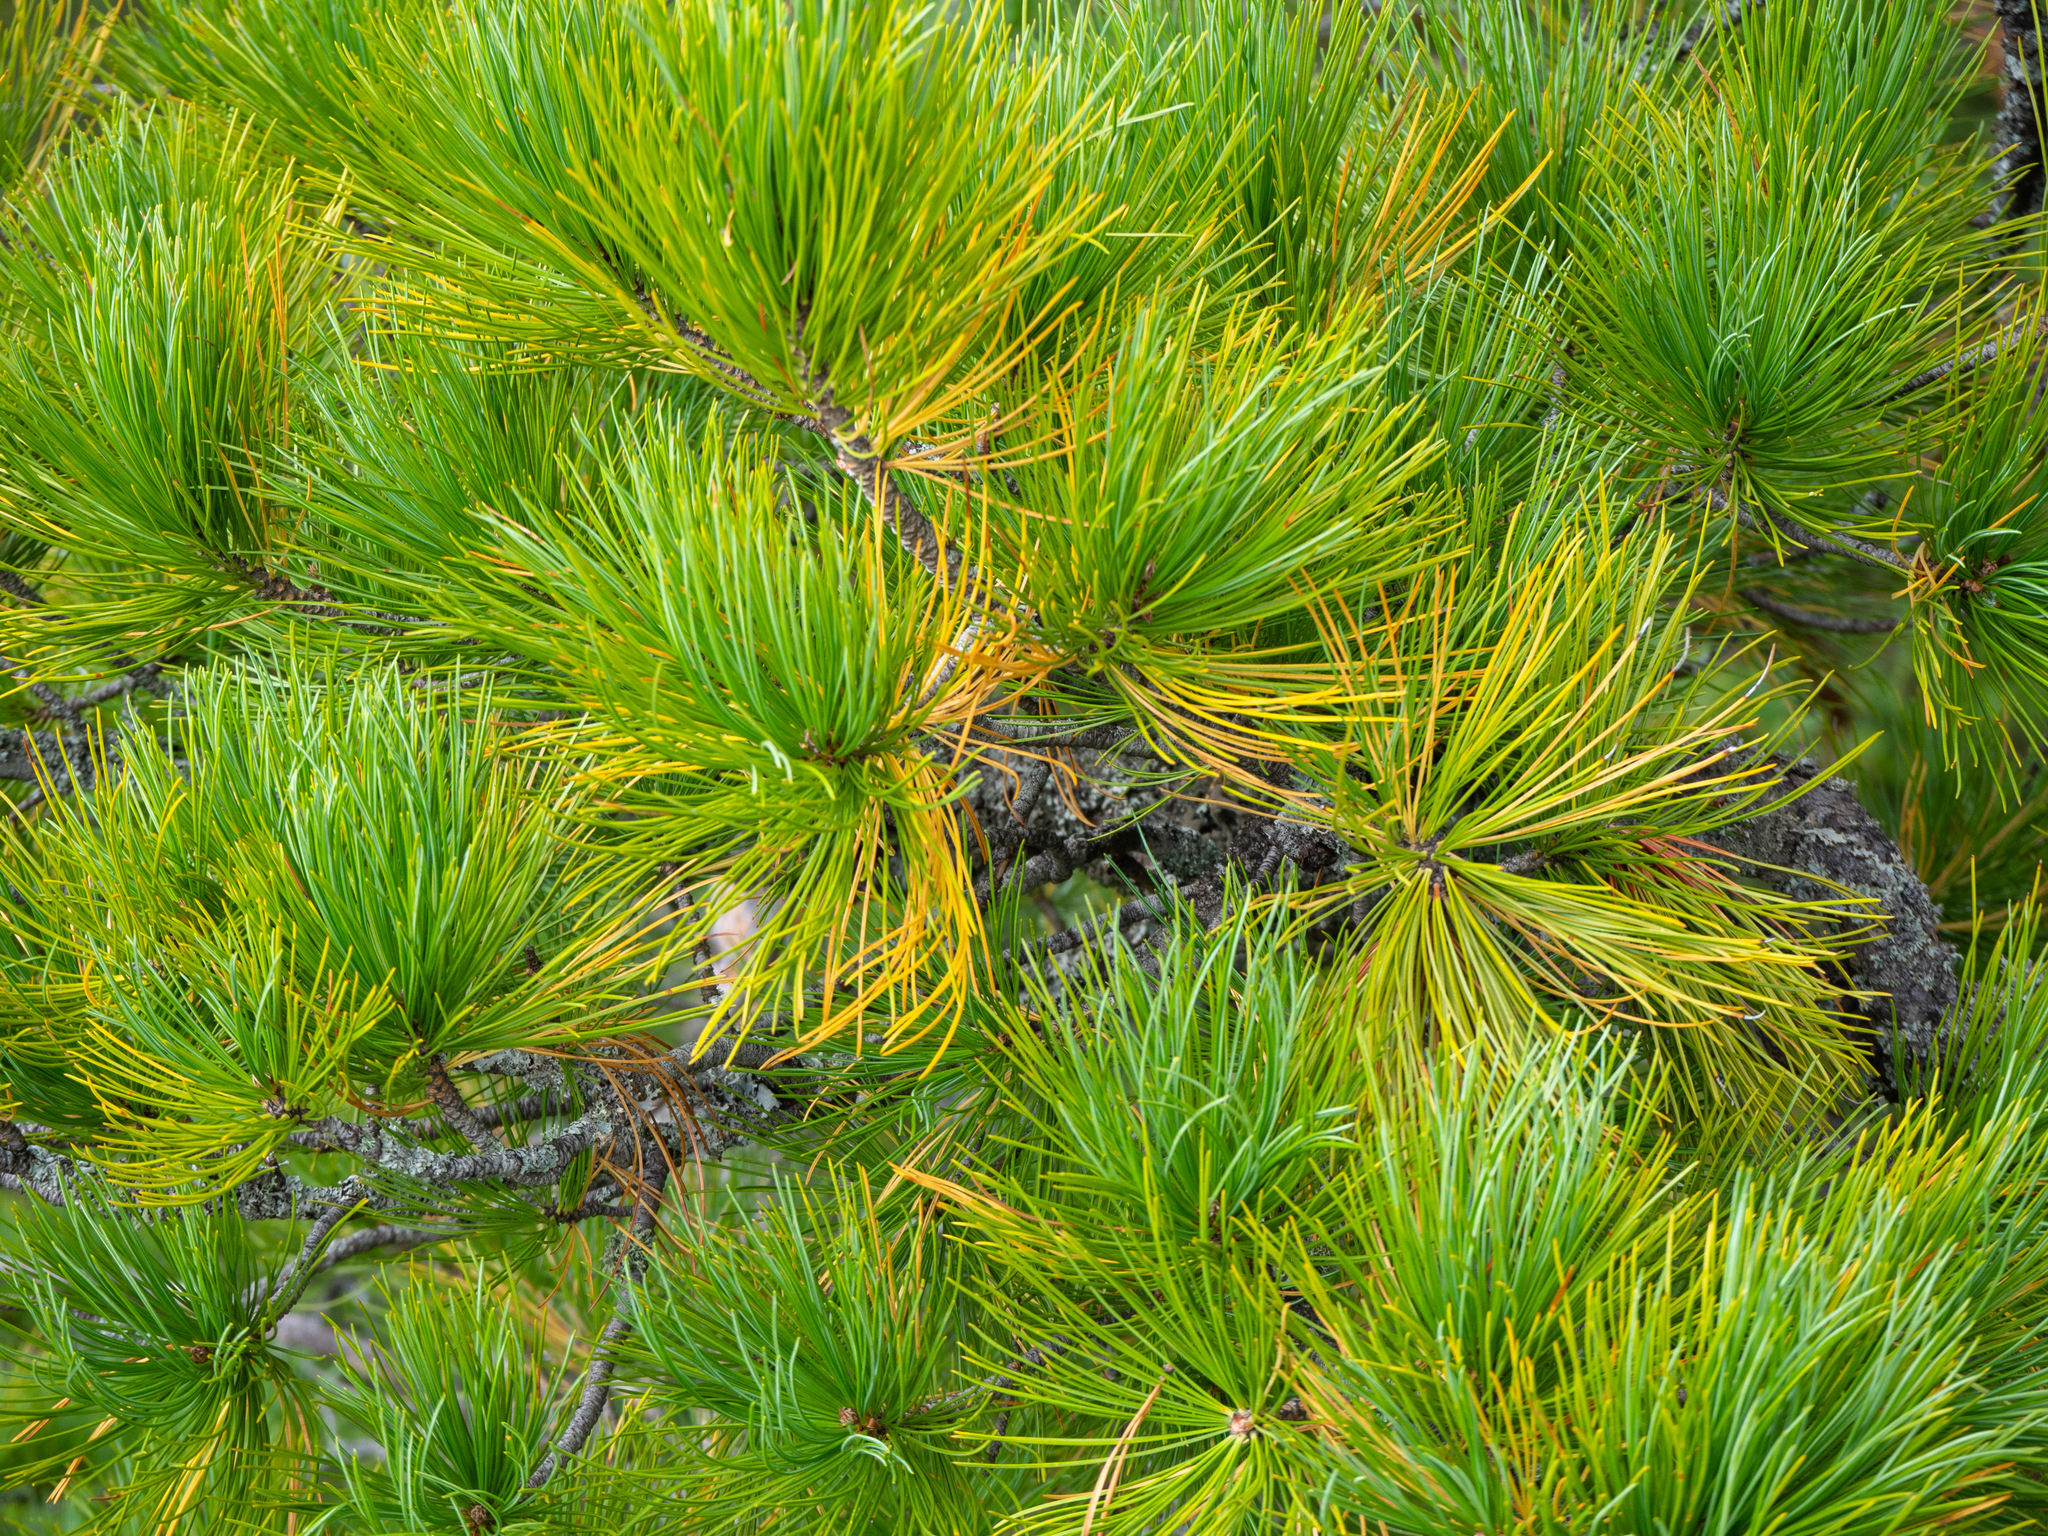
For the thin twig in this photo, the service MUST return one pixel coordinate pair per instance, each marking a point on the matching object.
(1836, 543)
(144, 676)
(591, 1209)
(1094, 738)
(1046, 867)
(1964, 362)
(395, 1239)
(597, 1383)
(1807, 618)
(292, 1283)
(597, 1391)
(860, 460)
(1030, 1357)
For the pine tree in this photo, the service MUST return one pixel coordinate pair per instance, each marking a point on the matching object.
(1158, 766)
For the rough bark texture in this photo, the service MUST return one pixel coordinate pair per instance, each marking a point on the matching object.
(1827, 833)
(2018, 139)
(1823, 841)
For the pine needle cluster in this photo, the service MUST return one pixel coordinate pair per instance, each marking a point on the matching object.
(1151, 768)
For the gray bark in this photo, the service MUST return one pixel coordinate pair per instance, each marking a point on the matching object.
(2018, 137)
(1827, 836)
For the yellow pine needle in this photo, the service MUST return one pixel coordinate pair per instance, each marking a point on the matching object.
(1104, 1493)
(30, 1431)
(177, 1500)
(57, 1493)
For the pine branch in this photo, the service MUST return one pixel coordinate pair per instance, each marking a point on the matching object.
(64, 754)
(372, 1239)
(1730, 14)
(29, 1168)
(2018, 170)
(1030, 1358)
(317, 602)
(270, 586)
(861, 462)
(597, 1392)
(1046, 867)
(291, 1284)
(729, 1096)
(1809, 619)
(1826, 839)
(1016, 731)
(1966, 362)
(455, 1109)
(29, 756)
(591, 1210)
(597, 1383)
(534, 1106)
(1031, 781)
(1875, 555)
(55, 705)
(544, 1074)
(540, 1162)
(147, 677)
(1125, 914)
(853, 453)
(719, 362)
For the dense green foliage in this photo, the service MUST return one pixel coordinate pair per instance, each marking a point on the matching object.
(602, 596)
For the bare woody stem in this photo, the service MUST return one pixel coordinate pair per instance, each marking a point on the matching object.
(597, 1391)
(293, 1281)
(384, 1238)
(455, 1109)
(1965, 362)
(1800, 539)
(1841, 544)
(597, 1383)
(539, 1162)
(2019, 172)
(861, 462)
(1807, 618)
(853, 453)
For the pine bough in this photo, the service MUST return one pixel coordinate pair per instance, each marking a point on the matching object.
(1151, 768)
